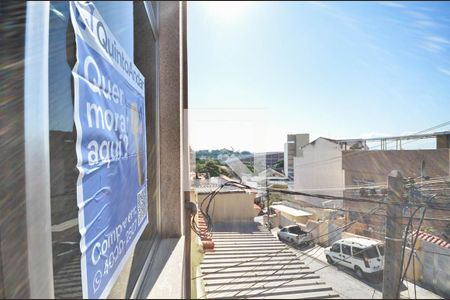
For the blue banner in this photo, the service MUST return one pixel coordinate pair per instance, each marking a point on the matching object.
(109, 112)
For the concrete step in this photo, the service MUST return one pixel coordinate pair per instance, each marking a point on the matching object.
(314, 295)
(244, 269)
(258, 273)
(239, 253)
(234, 260)
(278, 278)
(255, 285)
(242, 249)
(274, 291)
(252, 246)
(244, 236)
(247, 241)
(208, 267)
(211, 255)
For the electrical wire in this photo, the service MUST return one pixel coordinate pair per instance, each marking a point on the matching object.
(242, 275)
(360, 200)
(405, 237)
(413, 246)
(356, 152)
(319, 269)
(275, 253)
(317, 238)
(375, 214)
(414, 269)
(213, 194)
(210, 197)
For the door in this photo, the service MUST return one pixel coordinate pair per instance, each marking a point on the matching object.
(346, 255)
(335, 252)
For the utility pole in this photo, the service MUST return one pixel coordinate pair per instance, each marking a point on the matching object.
(393, 239)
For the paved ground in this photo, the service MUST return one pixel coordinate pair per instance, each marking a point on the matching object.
(345, 282)
(250, 263)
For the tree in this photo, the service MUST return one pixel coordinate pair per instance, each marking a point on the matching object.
(249, 165)
(279, 165)
(212, 167)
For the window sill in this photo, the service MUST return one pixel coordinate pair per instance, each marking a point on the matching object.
(165, 278)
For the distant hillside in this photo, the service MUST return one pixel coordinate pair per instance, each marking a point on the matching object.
(215, 154)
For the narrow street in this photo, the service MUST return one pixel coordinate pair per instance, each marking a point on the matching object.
(346, 283)
(341, 279)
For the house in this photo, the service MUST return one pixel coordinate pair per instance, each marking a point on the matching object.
(348, 168)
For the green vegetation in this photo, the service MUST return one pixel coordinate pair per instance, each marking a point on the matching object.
(279, 166)
(212, 167)
(216, 153)
(250, 166)
(209, 161)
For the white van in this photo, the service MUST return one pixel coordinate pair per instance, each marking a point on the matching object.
(364, 256)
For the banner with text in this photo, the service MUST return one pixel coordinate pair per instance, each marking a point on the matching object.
(109, 112)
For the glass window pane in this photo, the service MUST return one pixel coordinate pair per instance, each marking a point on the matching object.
(336, 248)
(145, 51)
(63, 171)
(357, 252)
(371, 252)
(346, 250)
(154, 6)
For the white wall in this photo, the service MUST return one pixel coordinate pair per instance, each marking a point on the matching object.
(319, 170)
(300, 141)
(231, 207)
(286, 159)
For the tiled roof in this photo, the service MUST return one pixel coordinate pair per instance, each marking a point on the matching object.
(253, 264)
(433, 239)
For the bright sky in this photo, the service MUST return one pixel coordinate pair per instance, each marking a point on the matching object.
(338, 70)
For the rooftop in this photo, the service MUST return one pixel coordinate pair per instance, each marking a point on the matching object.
(292, 211)
(249, 262)
(433, 239)
(360, 241)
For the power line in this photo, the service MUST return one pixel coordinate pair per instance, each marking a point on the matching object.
(413, 246)
(360, 200)
(375, 214)
(404, 246)
(275, 253)
(355, 152)
(290, 280)
(317, 238)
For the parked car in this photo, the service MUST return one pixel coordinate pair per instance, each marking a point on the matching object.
(364, 256)
(295, 235)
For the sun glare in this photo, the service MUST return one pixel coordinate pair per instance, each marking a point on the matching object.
(226, 10)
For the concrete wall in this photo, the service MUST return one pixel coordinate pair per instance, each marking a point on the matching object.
(431, 267)
(319, 170)
(286, 159)
(285, 220)
(171, 74)
(231, 207)
(293, 149)
(300, 141)
(375, 166)
(443, 141)
(318, 230)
